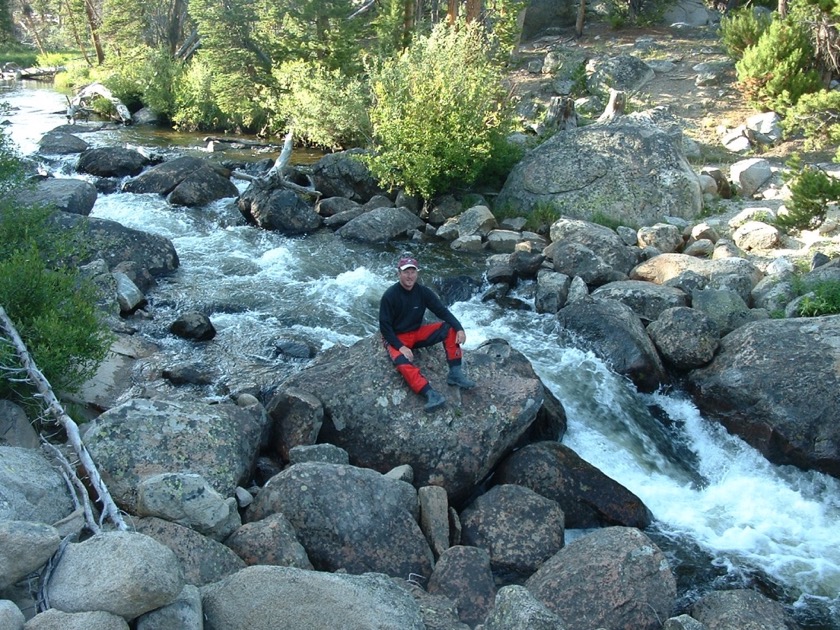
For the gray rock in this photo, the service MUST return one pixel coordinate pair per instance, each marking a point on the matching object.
(457, 445)
(685, 337)
(755, 235)
(187, 499)
(278, 209)
(202, 559)
(61, 143)
(163, 178)
(123, 573)
(86, 620)
(75, 196)
(552, 291)
(662, 236)
(517, 608)
(463, 575)
(201, 187)
(434, 518)
(129, 297)
(739, 608)
(184, 613)
(647, 299)
(380, 225)
(750, 175)
(348, 518)
(193, 325)
(24, 547)
(615, 170)
(325, 453)
(266, 598)
(11, 618)
(613, 578)
(724, 307)
(111, 162)
(791, 417)
(621, 72)
(667, 266)
(587, 497)
(30, 488)
(616, 334)
(115, 244)
(520, 528)
(271, 540)
(344, 174)
(15, 428)
(143, 437)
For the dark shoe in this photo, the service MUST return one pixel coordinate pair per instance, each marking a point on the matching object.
(433, 400)
(458, 378)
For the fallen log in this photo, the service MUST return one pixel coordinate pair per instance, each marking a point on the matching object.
(54, 408)
(275, 178)
(81, 100)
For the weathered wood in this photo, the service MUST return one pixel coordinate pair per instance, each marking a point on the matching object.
(97, 89)
(561, 114)
(54, 408)
(615, 107)
(274, 178)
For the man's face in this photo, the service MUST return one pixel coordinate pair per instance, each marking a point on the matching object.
(408, 277)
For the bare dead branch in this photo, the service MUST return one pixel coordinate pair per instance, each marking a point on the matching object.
(56, 410)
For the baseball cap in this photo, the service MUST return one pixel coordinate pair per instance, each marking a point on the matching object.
(407, 262)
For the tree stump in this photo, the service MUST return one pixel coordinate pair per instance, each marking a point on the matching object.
(615, 107)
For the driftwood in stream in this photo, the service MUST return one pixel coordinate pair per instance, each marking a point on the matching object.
(79, 103)
(274, 178)
(54, 408)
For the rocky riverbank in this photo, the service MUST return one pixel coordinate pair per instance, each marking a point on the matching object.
(330, 499)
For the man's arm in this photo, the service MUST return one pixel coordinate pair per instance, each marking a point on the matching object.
(434, 304)
(386, 320)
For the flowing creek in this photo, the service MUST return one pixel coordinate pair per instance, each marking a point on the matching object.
(722, 511)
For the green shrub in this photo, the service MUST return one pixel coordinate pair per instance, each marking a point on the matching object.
(824, 301)
(325, 107)
(51, 306)
(817, 117)
(742, 28)
(811, 190)
(775, 72)
(439, 112)
(195, 108)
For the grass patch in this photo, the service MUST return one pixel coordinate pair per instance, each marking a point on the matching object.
(824, 301)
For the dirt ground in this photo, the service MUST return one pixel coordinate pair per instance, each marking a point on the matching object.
(703, 110)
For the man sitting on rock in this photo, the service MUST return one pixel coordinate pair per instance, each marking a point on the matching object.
(401, 312)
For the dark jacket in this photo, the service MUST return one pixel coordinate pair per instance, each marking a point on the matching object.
(401, 311)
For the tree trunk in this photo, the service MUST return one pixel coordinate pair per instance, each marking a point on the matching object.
(451, 12)
(30, 23)
(175, 25)
(561, 114)
(474, 9)
(614, 108)
(581, 15)
(783, 9)
(93, 24)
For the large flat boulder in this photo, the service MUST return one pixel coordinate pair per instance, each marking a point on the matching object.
(633, 173)
(371, 413)
(774, 383)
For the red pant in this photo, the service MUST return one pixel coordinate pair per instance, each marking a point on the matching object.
(424, 336)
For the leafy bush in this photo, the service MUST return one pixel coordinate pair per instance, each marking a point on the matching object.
(195, 108)
(742, 28)
(817, 117)
(779, 68)
(51, 306)
(824, 301)
(811, 190)
(325, 107)
(439, 112)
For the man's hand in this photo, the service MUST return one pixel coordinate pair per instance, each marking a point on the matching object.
(407, 353)
(460, 337)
